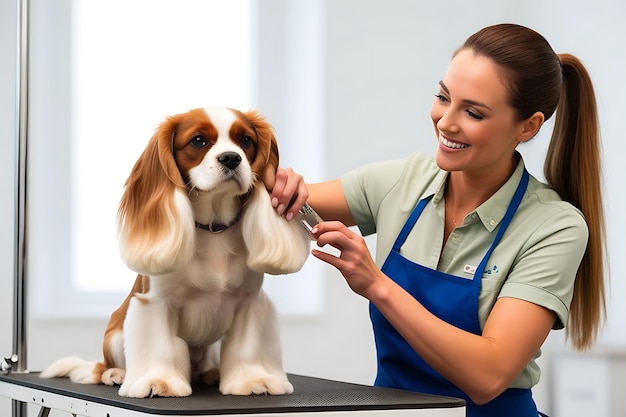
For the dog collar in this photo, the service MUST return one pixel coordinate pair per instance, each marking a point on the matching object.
(216, 227)
(220, 227)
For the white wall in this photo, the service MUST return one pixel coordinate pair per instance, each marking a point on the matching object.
(379, 71)
(385, 58)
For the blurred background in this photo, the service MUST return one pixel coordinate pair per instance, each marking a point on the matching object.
(344, 83)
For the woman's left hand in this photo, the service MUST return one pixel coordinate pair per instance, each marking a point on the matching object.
(354, 260)
(289, 192)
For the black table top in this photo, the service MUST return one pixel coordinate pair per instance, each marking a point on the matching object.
(310, 394)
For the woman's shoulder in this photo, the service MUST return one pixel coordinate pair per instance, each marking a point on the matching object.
(546, 207)
(423, 163)
(546, 196)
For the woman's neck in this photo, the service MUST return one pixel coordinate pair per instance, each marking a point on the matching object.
(465, 191)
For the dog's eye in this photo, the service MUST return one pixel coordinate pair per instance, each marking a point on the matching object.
(246, 142)
(198, 141)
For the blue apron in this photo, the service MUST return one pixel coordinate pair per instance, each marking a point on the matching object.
(452, 299)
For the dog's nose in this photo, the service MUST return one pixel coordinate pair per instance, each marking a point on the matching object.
(230, 160)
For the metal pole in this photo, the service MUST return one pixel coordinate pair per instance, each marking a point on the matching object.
(20, 287)
(19, 331)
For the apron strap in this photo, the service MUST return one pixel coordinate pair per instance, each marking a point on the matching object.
(510, 212)
(408, 226)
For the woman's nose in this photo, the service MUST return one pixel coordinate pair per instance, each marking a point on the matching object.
(447, 121)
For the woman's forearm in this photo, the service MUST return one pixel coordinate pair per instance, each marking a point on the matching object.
(482, 366)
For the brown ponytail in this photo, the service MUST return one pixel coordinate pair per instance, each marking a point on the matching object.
(573, 169)
(540, 80)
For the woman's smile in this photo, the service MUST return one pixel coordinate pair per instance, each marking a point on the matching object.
(450, 144)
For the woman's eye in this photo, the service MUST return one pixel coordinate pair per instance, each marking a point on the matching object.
(474, 115)
(246, 142)
(198, 141)
(441, 98)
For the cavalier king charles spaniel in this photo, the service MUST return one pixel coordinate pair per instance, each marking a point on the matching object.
(196, 223)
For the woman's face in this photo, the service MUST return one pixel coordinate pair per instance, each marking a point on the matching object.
(474, 123)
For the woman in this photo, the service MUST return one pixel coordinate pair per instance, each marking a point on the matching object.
(476, 260)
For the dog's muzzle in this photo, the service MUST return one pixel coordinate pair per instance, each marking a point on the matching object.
(230, 160)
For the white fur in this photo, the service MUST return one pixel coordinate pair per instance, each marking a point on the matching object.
(78, 370)
(206, 306)
(172, 252)
(265, 252)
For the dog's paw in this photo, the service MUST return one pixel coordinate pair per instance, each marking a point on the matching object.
(269, 384)
(113, 376)
(149, 386)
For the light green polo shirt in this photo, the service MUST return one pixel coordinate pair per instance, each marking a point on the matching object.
(536, 259)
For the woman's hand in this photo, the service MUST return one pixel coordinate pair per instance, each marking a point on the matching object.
(354, 261)
(289, 193)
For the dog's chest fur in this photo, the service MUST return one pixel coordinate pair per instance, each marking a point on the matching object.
(205, 294)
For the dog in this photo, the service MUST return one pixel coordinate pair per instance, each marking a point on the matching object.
(197, 225)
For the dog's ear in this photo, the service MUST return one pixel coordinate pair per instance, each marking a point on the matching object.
(155, 221)
(266, 160)
(275, 246)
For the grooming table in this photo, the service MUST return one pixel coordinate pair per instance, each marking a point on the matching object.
(311, 396)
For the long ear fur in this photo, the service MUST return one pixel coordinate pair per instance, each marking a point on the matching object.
(156, 230)
(275, 246)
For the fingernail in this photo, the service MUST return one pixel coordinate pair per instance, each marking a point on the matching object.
(289, 216)
(280, 209)
(314, 230)
(274, 202)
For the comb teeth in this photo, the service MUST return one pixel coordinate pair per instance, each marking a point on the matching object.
(308, 218)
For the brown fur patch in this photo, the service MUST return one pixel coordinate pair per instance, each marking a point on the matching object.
(160, 388)
(211, 377)
(116, 321)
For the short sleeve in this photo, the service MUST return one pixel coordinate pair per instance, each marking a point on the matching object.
(545, 271)
(388, 188)
(364, 189)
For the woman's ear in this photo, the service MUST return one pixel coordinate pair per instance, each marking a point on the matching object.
(531, 126)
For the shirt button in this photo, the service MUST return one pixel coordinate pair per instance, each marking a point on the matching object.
(492, 222)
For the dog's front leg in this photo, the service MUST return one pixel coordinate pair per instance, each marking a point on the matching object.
(157, 360)
(251, 359)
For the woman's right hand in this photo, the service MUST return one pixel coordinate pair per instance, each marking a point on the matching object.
(289, 193)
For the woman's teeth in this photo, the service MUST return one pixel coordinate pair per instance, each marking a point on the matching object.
(453, 145)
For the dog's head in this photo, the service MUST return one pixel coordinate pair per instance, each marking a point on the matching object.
(214, 146)
(202, 151)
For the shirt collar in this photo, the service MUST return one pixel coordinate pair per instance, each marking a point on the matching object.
(437, 188)
(492, 211)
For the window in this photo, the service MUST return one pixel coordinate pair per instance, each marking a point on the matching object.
(126, 71)
(132, 75)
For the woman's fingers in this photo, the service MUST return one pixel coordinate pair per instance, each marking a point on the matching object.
(289, 193)
(354, 260)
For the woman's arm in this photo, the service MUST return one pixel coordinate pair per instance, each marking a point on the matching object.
(481, 365)
(328, 199)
